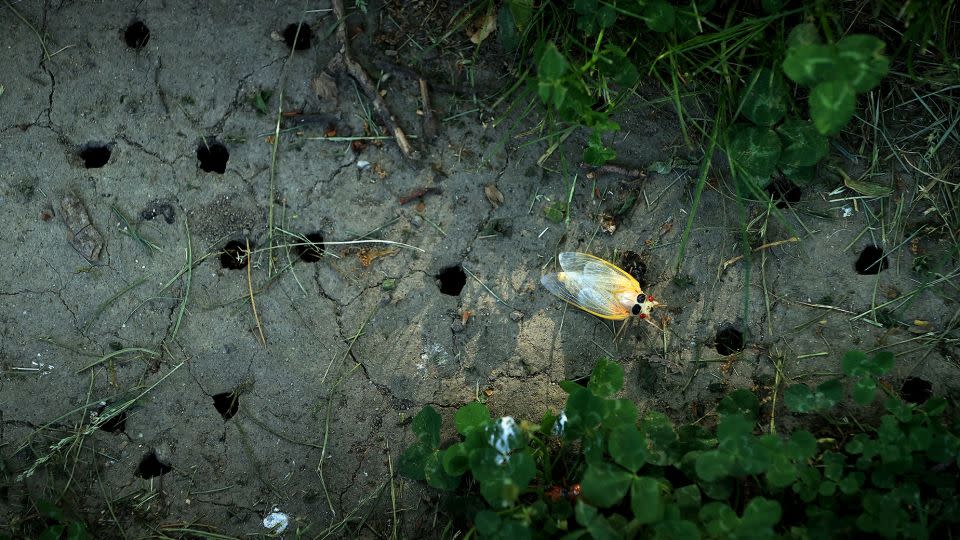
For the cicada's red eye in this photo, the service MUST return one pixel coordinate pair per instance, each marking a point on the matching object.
(642, 315)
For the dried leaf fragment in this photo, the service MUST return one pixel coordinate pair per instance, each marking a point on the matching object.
(481, 28)
(368, 255)
(324, 87)
(81, 233)
(493, 195)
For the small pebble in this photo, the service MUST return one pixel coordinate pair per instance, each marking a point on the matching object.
(516, 316)
(457, 327)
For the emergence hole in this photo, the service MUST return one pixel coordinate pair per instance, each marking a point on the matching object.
(136, 35)
(94, 155)
(227, 404)
(452, 279)
(729, 340)
(213, 156)
(871, 261)
(916, 390)
(312, 253)
(634, 265)
(784, 192)
(234, 255)
(151, 467)
(297, 42)
(117, 424)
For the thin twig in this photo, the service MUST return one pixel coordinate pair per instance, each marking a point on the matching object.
(253, 303)
(355, 70)
(768, 245)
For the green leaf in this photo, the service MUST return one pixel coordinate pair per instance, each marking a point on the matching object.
(604, 484)
(755, 151)
(809, 64)
(646, 500)
(851, 483)
(487, 522)
(660, 437)
(556, 211)
(833, 464)
(733, 427)
(688, 497)
(832, 104)
(713, 465)
(615, 65)
(627, 448)
(413, 459)
(552, 63)
(471, 416)
(584, 410)
(606, 378)
(521, 10)
(719, 519)
(803, 34)
(802, 446)
(801, 176)
(782, 472)
(435, 474)
(764, 98)
(584, 513)
(617, 412)
(760, 514)
(596, 153)
(659, 15)
(426, 426)
(507, 28)
(740, 401)
(857, 364)
(801, 398)
(676, 529)
(865, 390)
(803, 145)
(456, 460)
(550, 69)
(861, 61)
(53, 532)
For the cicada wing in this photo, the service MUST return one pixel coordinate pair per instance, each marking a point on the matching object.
(597, 269)
(574, 289)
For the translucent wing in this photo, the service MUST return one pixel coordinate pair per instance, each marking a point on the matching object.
(598, 269)
(582, 291)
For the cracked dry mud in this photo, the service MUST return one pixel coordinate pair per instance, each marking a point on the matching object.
(352, 350)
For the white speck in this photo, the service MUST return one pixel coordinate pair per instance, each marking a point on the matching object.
(276, 521)
(363, 164)
(38, 355)
(560, 424)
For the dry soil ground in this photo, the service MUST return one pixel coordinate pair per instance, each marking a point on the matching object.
(130, 163)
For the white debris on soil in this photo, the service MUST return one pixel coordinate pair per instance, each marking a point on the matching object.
(276, 521)
(363, 164)
(560, 424)
(847, 211)
(500, 438)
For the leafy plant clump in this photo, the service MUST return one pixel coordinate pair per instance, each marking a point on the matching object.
(600, 470)
(779, 88)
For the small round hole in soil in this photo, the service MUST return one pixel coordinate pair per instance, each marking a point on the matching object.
(452, 279)
(784, 192)
(729, 340)
(297, 42)
(213, 156)
(136, 35)
(151, 467)
(916, 390)
(872, 261)
(117, 424)
(312, 253)
(94, 155)
(234, 255)
(227, 404)
(634, 265)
